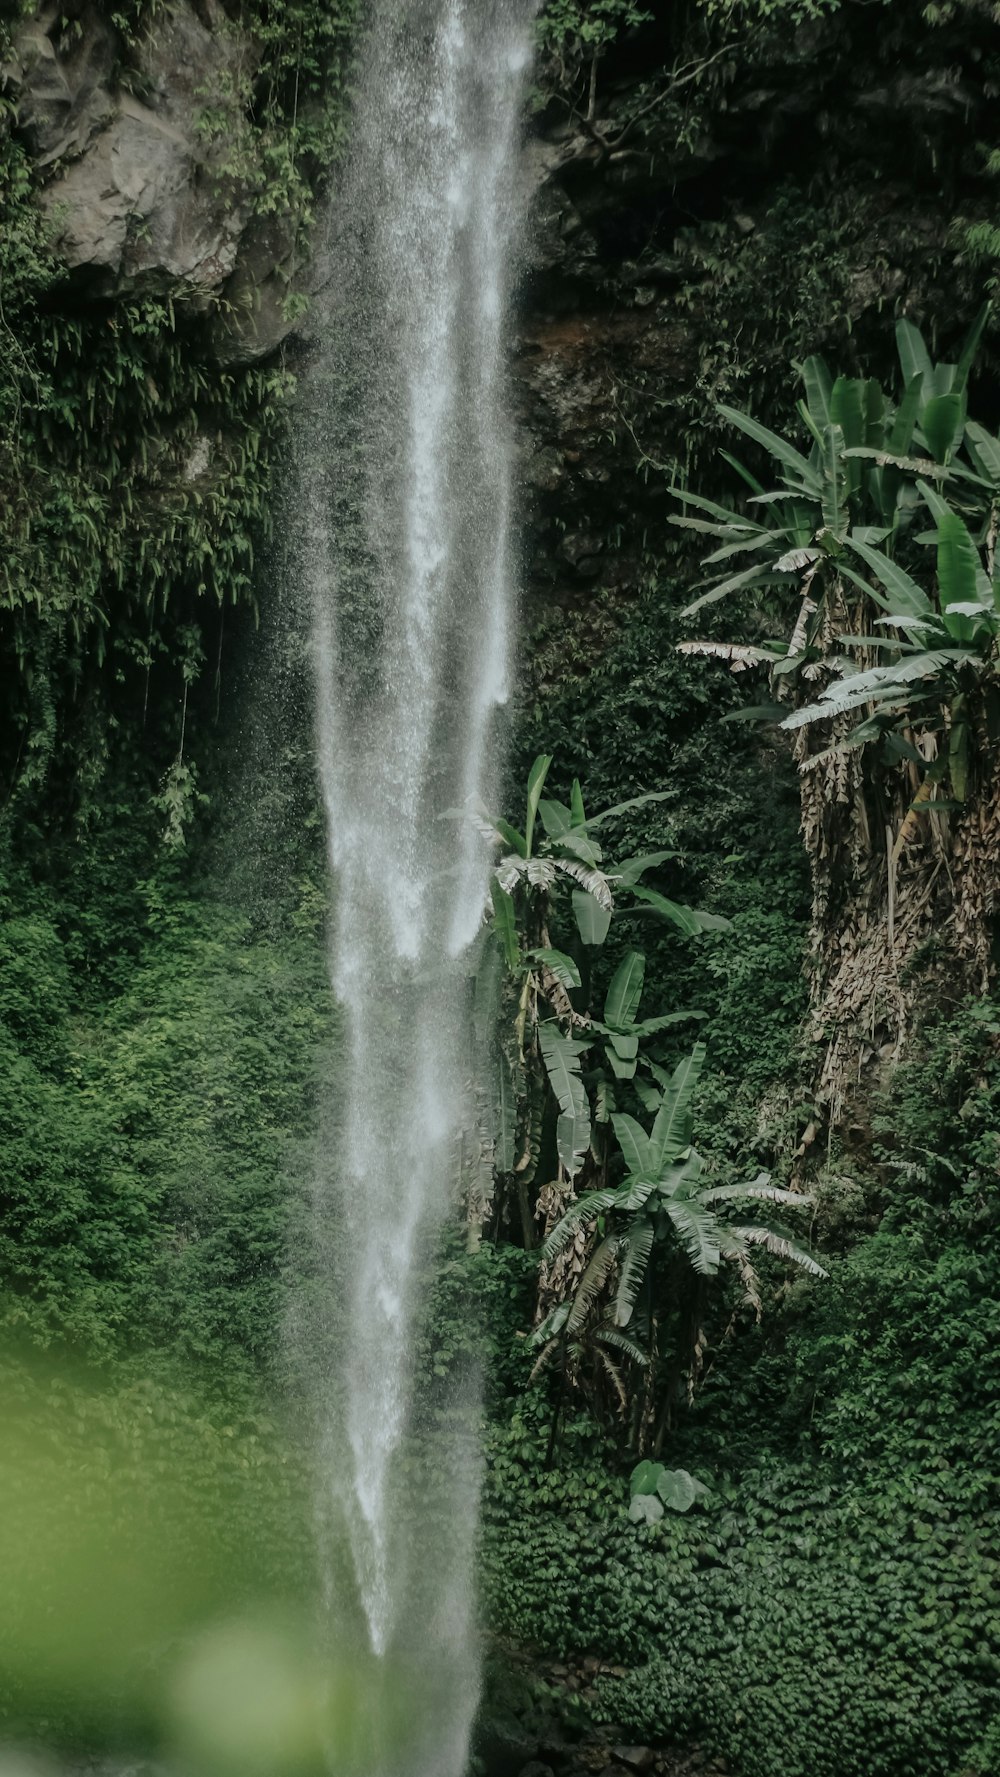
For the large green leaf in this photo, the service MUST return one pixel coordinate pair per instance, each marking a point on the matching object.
(572, 1141)
(679, 1490)
(847, 409)
(765, 539)
(635, 1144)
(592, 1282)
(631, 869)
(969, 349)
(724, 513)
(556, 818)
(958, 571)
(619, 1341)
(578, 844)
(488, 975)
(819, 388)
(914, 357)
(834, 501)
(585, 1209)
(645, 1508)
(786, 454)
(880, 683)
(592, 919)
(901, 434)
(942, 423)
(783, 1245)
(906, 597)
(638, 1244)
(875, 412)
(732, 584)
(505, 923)
(610, 814)
(514, 839)
(563, 967)
(561, 1056)
(644, 1477)
(536, 779)
(734, 529)
(506, 1115)
(760, 1187)
(672, 1128)
(699, 1233)
(984, 450)
(623, 1068)
(647, 1026)
(622, 1000)
(682, 917)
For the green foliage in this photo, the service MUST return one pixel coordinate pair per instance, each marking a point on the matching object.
(135, 471)
(277, 127)
(792, 1627)
(150, 467)
(837, 524)
(154, 1133)
(592, 23)
(666, 1216)
(655, 1488)
(545, 1033)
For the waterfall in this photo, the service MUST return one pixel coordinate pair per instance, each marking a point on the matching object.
(405, 478)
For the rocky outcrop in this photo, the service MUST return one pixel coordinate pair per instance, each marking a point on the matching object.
(137, 164)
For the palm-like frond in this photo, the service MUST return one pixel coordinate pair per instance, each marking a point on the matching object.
(593, 1281)
(593, 881)
(782, 1245)
(699, 1233)
(585, 1209)
(620, 1341)
(637, 1245)
(759, 1187)
(740, 655)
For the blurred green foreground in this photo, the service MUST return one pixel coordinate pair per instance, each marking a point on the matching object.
(157, 1592)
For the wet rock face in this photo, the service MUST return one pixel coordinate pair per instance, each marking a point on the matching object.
(594, 332)
(138, 192)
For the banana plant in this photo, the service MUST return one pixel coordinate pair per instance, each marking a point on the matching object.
(931, 654)
(665, 1207)
(856, 479)
(550, 1047)
(841, 527)
(623, 1029)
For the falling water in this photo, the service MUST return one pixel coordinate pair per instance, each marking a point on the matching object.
(405, 469)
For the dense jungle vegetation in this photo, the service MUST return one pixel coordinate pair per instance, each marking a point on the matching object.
(737, 1286)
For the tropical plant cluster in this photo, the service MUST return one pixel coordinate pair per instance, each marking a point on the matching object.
(885, 537)
(634, 1223)
(643, 1295)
